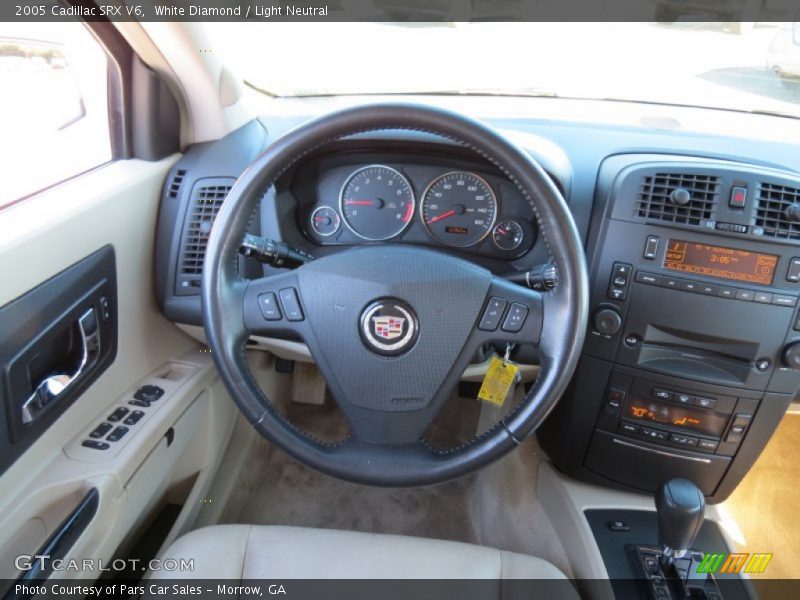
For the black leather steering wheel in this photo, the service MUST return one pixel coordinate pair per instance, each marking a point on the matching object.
(392, 327)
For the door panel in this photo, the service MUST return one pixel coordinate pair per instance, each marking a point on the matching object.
(108, 215)
(57, 339)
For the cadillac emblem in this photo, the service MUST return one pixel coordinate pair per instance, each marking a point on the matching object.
(389, 326)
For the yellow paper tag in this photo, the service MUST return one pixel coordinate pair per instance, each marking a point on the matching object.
(500, 377)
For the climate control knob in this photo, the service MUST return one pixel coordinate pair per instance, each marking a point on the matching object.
(607, 321)
(791, 355)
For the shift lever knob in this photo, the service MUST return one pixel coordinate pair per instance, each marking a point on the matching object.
(680, 506)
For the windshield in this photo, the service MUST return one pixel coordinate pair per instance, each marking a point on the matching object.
(740, 66)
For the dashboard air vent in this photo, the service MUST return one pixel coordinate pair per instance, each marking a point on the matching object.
(778, 211)
(678, 197)
(205, 203)
(175, 184)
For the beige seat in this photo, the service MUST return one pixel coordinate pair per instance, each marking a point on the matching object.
(269, 552)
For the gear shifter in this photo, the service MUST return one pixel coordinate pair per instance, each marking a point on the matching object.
(680, 506)
(670, 569)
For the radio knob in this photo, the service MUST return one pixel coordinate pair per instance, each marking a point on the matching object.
(608, 322)
(791, 355)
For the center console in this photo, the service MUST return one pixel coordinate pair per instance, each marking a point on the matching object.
(693, 346)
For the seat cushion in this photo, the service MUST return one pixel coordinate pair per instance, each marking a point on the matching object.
(269, 552)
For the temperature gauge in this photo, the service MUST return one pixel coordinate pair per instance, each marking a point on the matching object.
(507, 235)
(325, 221)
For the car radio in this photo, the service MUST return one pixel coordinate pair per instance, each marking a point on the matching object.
(692, 351)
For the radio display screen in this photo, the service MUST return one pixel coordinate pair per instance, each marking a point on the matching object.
(718, 261)
(662, 413)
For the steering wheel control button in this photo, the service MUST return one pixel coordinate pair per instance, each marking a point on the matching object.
(148, 393)
(118, 414)
(493, 313)
(100, 430)
(290, 304)
(389, 326)
(268, 303)
(515, 318)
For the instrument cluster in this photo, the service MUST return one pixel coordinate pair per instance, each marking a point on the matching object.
(473, 210)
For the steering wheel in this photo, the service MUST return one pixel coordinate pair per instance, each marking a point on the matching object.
(392, 327)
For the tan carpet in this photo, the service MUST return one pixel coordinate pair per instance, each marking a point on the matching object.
(497, 507)
(766, 502)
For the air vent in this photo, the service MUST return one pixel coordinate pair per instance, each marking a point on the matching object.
(678, 197)
(778, 212)
(175, 184)
(205, 204)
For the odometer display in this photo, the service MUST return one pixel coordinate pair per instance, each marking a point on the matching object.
(377, 202)
(458, 209)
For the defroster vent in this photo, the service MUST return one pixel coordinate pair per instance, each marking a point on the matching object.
(678, 197)
(206, 200)
(175, 184)
(778, 211)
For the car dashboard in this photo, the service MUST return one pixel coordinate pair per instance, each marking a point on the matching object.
(692, 237)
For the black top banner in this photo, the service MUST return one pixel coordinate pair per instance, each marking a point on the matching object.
(399, 10)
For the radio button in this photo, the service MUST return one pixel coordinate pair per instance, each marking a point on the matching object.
(689, 286)
(670, 282)
(703, 402)
(648, 278)
(620, 277)
(662, 394)
(622, 270)
(726, 292)
(763, 297)
(746, 295)
(616, 293)
(793, 274)
(709, 289)
(781, 300)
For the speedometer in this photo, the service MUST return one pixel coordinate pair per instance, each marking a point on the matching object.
(377, 202)
(459, 208)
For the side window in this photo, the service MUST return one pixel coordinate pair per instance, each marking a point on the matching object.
(54, 118)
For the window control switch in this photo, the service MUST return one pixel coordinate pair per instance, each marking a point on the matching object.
(100, 430)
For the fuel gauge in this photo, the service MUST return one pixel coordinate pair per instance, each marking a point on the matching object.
(507, 235)
(325, 221)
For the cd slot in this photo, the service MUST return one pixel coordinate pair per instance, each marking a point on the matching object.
(693, 362)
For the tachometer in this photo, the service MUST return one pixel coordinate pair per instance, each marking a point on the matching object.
(377, 202)
(459, 208)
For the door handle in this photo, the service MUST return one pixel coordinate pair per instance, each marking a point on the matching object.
(53, 386)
